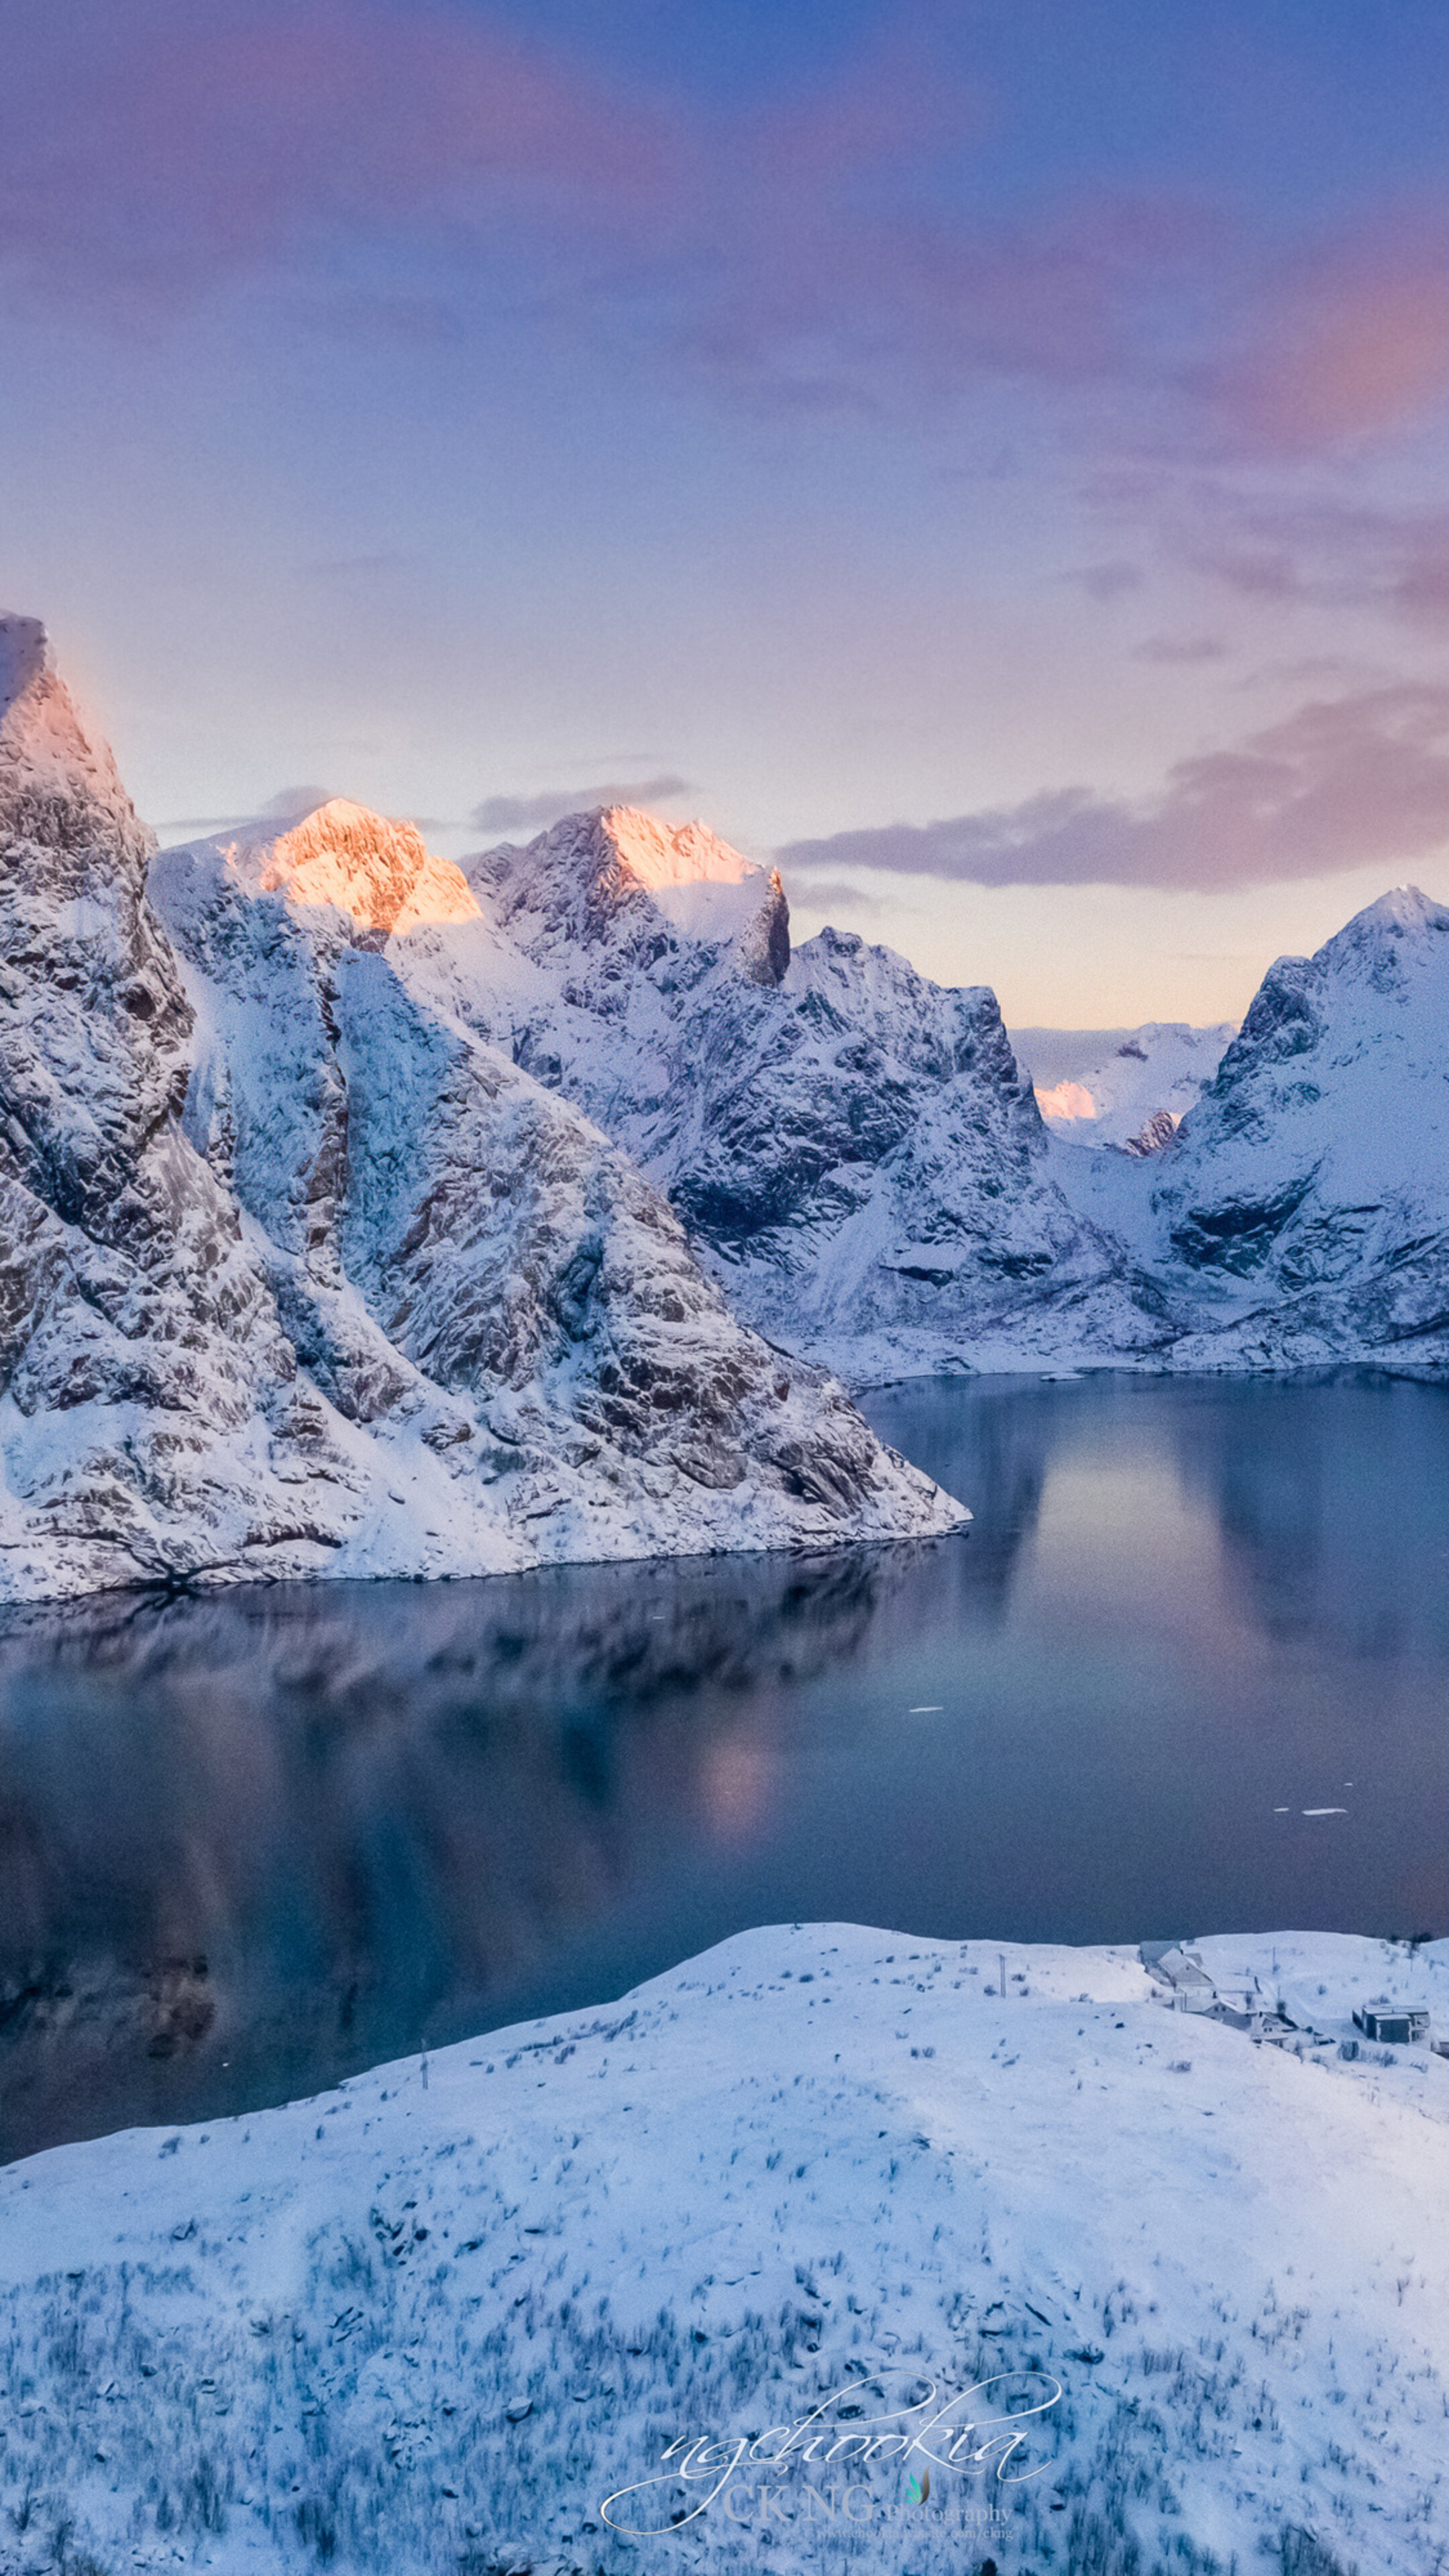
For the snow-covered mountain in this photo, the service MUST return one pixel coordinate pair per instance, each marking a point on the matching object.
(1301, 1214)
(299, 1274)
(399, 1201)
(862, 1162)
(1126, 1087)
(858, 1157)
(820, 2240)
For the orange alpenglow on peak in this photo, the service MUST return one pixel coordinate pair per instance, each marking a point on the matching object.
(1066, 1100)
(378, 870)
(664, 854)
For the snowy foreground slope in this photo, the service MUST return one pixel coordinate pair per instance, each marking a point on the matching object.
(299, 1275)
(1107, 2287)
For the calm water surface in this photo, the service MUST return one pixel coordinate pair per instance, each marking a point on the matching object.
(251, 1844)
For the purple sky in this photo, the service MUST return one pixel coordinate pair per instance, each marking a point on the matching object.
(994, 454)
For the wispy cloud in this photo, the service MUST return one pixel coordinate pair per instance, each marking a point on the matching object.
(825, 893)
(1106, 581)
(1172, 649)
(1323, 553)
(1348, 342)
(150, 150)
(789, 252)
(406, 166)
(535, 813)
(1349, 782)
(287, 806)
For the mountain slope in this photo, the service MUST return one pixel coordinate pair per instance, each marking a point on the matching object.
(150, 1420)
(858, 1158)
(1127, 1087)
(461, 1259)
(298, 1276)
(1307, 1198)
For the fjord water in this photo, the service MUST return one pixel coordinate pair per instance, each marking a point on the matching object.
(1188, 1672)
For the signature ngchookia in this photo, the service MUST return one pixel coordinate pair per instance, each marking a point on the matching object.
(980, 2431)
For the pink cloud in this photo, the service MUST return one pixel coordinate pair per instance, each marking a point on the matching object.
(814, 282)
(1351, 782)
(1172, 650)
(794, 254)
(151, 146)
(830, 249)
(1351, 344)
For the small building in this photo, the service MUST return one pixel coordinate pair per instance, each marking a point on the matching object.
(1182, 1971)
(1398, 2024)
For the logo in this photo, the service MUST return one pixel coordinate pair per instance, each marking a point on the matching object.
(827, 2466)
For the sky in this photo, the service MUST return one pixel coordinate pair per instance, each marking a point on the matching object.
(988, 455)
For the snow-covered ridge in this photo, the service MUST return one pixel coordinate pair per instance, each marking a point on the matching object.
(1135, 2291)
(1099, 1087)
(623, 882)
(663, 854)
(305, 1276)
(378, 871)
(857, 1154)
(54, 778)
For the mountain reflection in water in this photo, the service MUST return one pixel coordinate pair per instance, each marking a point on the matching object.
(251, 1842)
(254, 1842)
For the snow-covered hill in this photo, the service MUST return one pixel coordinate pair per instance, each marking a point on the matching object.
(853, 1147)
(1302, 1212)
(818, 2251)
(302, 1276)
(1127, 1087)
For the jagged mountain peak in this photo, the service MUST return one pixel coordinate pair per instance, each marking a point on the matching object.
(1387, 951)
(58, 783)
(375, 868)
(593, 875)
(25, 657)
(1404, 913)
(302, 1274)
(669, 854)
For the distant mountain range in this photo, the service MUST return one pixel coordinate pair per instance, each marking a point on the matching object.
(862, 1157)
(362, 1213)
(1126, 1087)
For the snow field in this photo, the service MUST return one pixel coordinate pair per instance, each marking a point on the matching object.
(437, 2319)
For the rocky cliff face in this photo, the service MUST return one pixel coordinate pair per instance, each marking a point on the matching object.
(857, 1156)
(1302, 1212)
(148, 1421)
(297, 1273)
